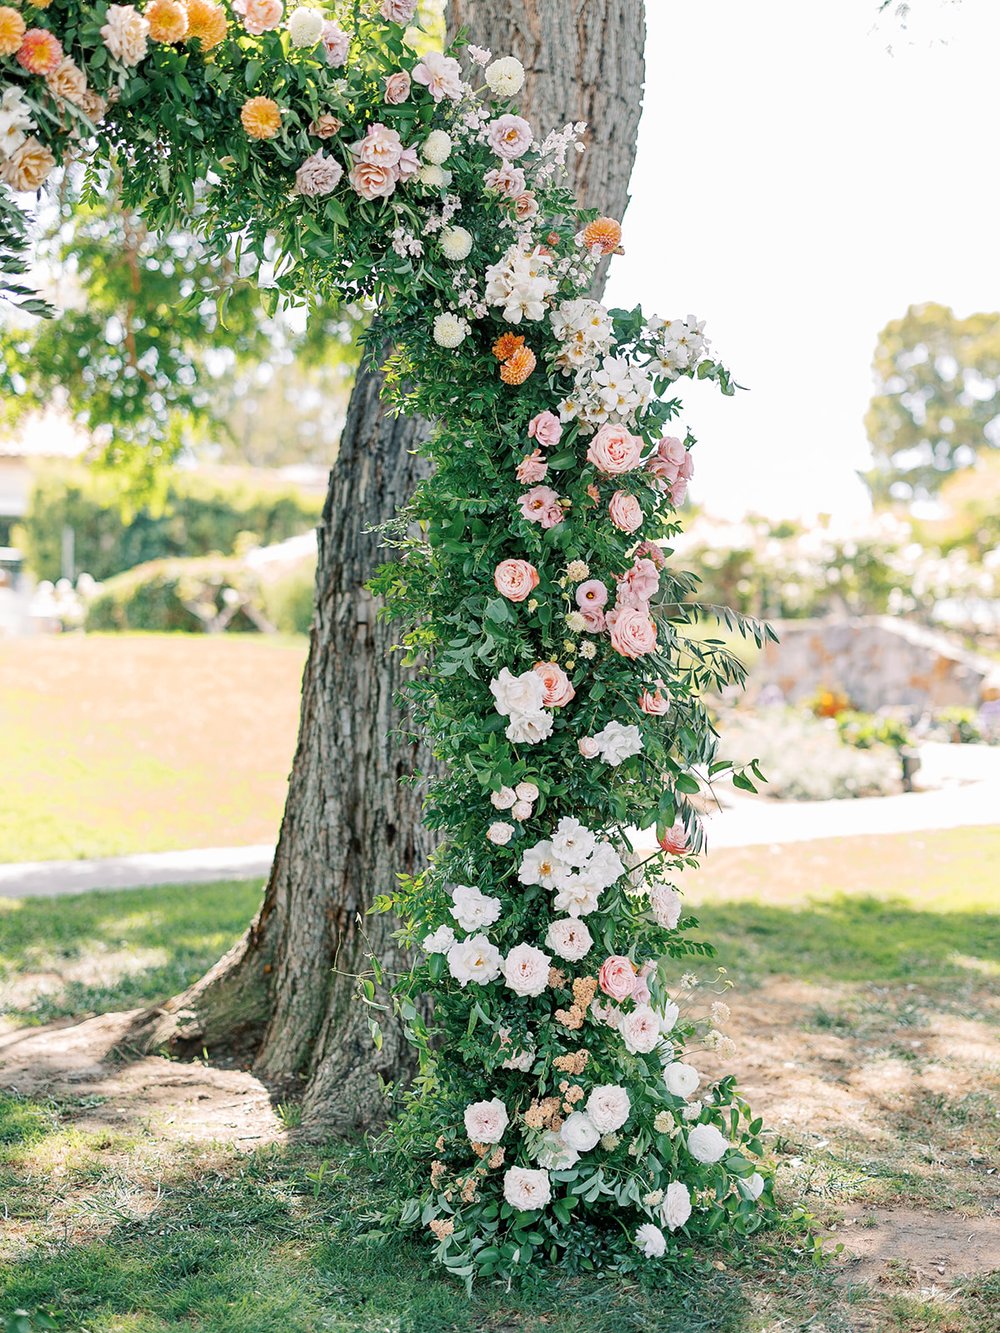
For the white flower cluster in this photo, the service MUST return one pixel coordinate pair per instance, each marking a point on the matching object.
(606, 387)
(576, 866)
(405, 243)
(555, 147)
(520, 699)
(15, 121)
(681, 344)
(521, 283)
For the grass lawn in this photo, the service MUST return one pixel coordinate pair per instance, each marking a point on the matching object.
(864, 1013)
(202, 728)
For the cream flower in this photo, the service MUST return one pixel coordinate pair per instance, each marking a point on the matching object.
(505, 76)
(28, 166)
(525, 1189)
(305, 26)
(474, 959)
(681, 1079)
(608, 1107)
(579, 1132)
(456, 243)
(125, 33)
(437, 147)
(473, 909)
(569, 938)
(450, 330)
(485, 1122)
(640, 1030)
(706, 1144)
(651, 1240)
(526, 970)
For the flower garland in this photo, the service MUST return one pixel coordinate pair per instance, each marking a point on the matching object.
(557, 1111)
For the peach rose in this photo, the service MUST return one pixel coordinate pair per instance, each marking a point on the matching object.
(594, 621)
(318, 175)
(558, 689)
(397, 87)
(259, 16)
(515, 579)
(381, 147)
(525, 206)
(509, 136)
(617, 977)
(371, 181)
(541, 505)
(28, 166)
(506, 180)
(336, 43)
(614, 450)
(633, 633)
(531, 469)
(325, 126)
(67, 81)
(675, 840)
(625, 511)
(546, 429)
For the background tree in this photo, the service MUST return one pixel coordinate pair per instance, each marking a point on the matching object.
(937, 400)
(284, 995)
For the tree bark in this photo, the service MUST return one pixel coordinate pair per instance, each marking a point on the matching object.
(284, 996)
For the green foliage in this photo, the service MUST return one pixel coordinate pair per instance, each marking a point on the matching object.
(15, 263)
(197, 514)
(937, 401)
(288, 600)
(863, 730)
(160, 596)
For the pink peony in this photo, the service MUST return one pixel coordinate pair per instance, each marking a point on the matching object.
(397, 87)
(532, 469)
(336, 43)
(509, 136)
(592, 595)
(318, 175)
(656, 704)
(546, 429)
(398, 11)
(440, 75)
(558, 689)
(617, 977)
(515, 579)
(541, 505)
(638, 584)
(506, 180)
(372, 182)
(633, 633)
(614, 450)
(625, 511)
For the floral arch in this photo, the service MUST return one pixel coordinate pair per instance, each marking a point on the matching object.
(557, 1112)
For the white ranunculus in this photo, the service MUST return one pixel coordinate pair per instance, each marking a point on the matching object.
(485, 1122)
(669, 1015)
(449, 329)
(676, 1207)
(580, 1132)
(456, 243)
(569, 938)
(706, 1143)
(525, 1189)
(681, 1079)
(608, 1107)
(437, 147)
(505, 76)
(640, 1030)
(473, 909)
(651, 1240)
(755, 1185)
(499, 833)
(555, 1154)
(517, 694)
(526, 970)
(572, 842)
(439, 941)
(504, 798)
(616, 743)
(529, 728)
(305, 26)
(474, 959)
(666, 905)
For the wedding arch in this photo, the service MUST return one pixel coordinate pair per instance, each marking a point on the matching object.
(557, 1112)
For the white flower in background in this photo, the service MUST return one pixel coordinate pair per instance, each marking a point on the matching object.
(616, 743)
(706, 1144)
(125, 34)
(580, 1132)
(15, 120)
(755, 1185)
(504, 798)
(437, 147)
(608, 1107)
(682, 345)
(569, 939)
(573, 843)
(640, 1030)
(472, 908)
(456, 243)
(668, 1016)
(305, 26)
(540, 865)
(529, 728)
(485, 1122)
(554, 1153)
(434, 176)
(526, 970)
(676, 1207)
(450, 330)
(651, 1240)
(505, 76)
(525, 1189)
(517, 694)
(681, 1079)
(665, 903)
(440, 941)
(499, 833)
(474, 959)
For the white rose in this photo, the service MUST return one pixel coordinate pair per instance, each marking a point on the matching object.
(525, 1189)
(755, 1185)
(437, 147)
(576, 895)
(617, 743)
(504, 798)
(449, 330)
(500, 833)
(571, 842)
(305, 26)
(608, 1107)
(474, 959)
(505, 77)
(569, 938)
(526, 970)
(580, 1132)
(440, 941)
(605, 865)
(517, 694)
(669, 1015)
(529, 728)
(485, 1122)
(681, 1079)
(456, 243)
(521, 1062)
(666, 905)
(527, 791)
(651, 1240)
(676, 1207)
(540, 865)
(555, 1154)
(472, 908)
(706, 1144)
(521, 810)
(640, 1030)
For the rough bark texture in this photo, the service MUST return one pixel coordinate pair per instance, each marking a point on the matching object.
(284, 994)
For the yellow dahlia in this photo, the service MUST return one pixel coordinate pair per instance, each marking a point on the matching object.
(40, 51)
(605, 233)
(168, 21)
(207, 22)
(517, 368)
(12, 27)
(261, 118)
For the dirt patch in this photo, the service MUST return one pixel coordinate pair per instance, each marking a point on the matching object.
(917, 1250)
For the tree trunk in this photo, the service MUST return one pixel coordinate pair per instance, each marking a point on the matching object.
(284, 995)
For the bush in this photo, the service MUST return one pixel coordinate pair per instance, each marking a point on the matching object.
(199, 515)
(288, 600)
(152, 596)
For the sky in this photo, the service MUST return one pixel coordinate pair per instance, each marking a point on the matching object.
(804, 173)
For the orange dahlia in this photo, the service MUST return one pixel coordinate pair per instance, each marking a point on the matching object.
(207, 22)
(168, 21)
(506, 345)
(517, 368)
(605, 233)
(40, 51)
(261, 118)
(12, 27)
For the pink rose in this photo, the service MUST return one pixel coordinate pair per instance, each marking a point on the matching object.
(531, 469)
(588, 747)
(381, 147)
(633, 633)
(525, 206)
(638, 584)
(509, 136)
(617, 977)
(640, 991)
(372, 182)
(506, 180)
(593, 619)
(625, 511)
(656, 704)
(408, 164)
(675, 840)
(397, 87)
(515, 579)
(318, 175)
(336, 43)
(541, 505)
(398, 11)
(650, 551)
(259, 16)
(546, 429)
(591, 595)
(678, 492)
(614, 450)
(441, 75)
(558, 689)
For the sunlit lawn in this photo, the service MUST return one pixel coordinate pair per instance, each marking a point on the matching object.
(143, 743)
